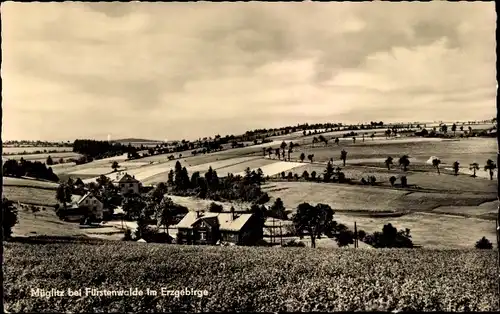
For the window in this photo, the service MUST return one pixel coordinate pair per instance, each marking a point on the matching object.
(95, 202)
(203, 236)
(123, 185)
(130, 184)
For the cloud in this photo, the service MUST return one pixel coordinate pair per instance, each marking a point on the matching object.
(184, 69)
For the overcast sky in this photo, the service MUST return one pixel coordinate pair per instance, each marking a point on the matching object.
(187, 70)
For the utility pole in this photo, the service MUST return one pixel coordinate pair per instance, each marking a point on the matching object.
(281, 236)
(355, 235)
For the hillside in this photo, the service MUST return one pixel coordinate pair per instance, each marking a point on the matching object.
(249, 278)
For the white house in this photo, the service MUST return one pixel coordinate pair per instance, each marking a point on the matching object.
(81, 206)
(128, 184)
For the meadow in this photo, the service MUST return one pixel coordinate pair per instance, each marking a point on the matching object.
(31, 149)
(249, 278)
(43, 156)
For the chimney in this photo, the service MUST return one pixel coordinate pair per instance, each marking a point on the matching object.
(198, 214)
(232, 213)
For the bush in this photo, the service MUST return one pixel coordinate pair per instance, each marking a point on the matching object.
(484, 244)
(9, 218)
(294, 243)
(127, 236)
(215, 208)
(344, 238)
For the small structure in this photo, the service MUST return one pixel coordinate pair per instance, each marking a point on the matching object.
(84, 206)
(211, 228)
(128, 184)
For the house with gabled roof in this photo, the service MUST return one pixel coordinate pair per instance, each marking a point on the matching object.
(84, 206)
(127, 184)
(212, 228)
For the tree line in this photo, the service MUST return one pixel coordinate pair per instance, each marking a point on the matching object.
(101, 149)
(26, 168)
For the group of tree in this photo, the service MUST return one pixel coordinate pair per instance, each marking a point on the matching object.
(102, 149)
(390, 237)
(34, 169)
(210, 186)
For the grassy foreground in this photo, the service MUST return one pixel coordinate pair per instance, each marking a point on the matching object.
(248, 279)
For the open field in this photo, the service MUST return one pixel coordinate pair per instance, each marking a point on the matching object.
(367, 198)
(257, 279)
(28, 195)
(42, 157)
(429, 230)
(466, 151)
(46, 223)
(28, 182)
(30, 149)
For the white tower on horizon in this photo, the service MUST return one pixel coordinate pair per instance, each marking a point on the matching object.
(109, 137)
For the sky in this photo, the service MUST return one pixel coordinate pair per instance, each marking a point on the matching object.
(170, 71)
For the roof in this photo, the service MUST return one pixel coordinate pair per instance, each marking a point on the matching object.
(76, 200)
(226, 223)
(126, 178)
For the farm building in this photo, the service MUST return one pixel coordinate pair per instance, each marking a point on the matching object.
(83, 206)
(128, 184)
(211, 228)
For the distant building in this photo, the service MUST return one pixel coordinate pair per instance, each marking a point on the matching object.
(128, 184)
(211, 228)
(84, 206)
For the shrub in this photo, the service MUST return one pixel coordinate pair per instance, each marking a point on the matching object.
(294, 243)
(484, 244)
(215, 208)
(344, 238)
(9, 218)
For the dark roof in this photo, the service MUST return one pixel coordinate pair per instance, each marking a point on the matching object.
(128, 179)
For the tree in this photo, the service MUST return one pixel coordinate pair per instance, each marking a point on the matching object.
(277, 210)
(315, 220)
(388, 162)
(310, 157)
(63, 194)
(290, 150)
(343, 156)
(302, 157)
(404, 161)
(484, 244)
(171, 175)
(305, 175)
(115, 166)
(215, 208)
(344, 238)
(404, 181)
(372, 136)
(454, 129)
(390, 237)
(49, 161)
(354, 140)
(392, 180)
(337, 141)
(490, 166)
(456, 167)
(133, 206)
(9, 218)
(328, 172)
(277, 153)
(290, 176)
(269, 151)
(435, 164)
(314, 140)
(474, 167)
(283, 147)
(313, 175)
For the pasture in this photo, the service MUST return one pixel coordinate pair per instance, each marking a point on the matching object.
(30, 195)
(256, 279)
(42, 157)
(367, 198)
(30, 149)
